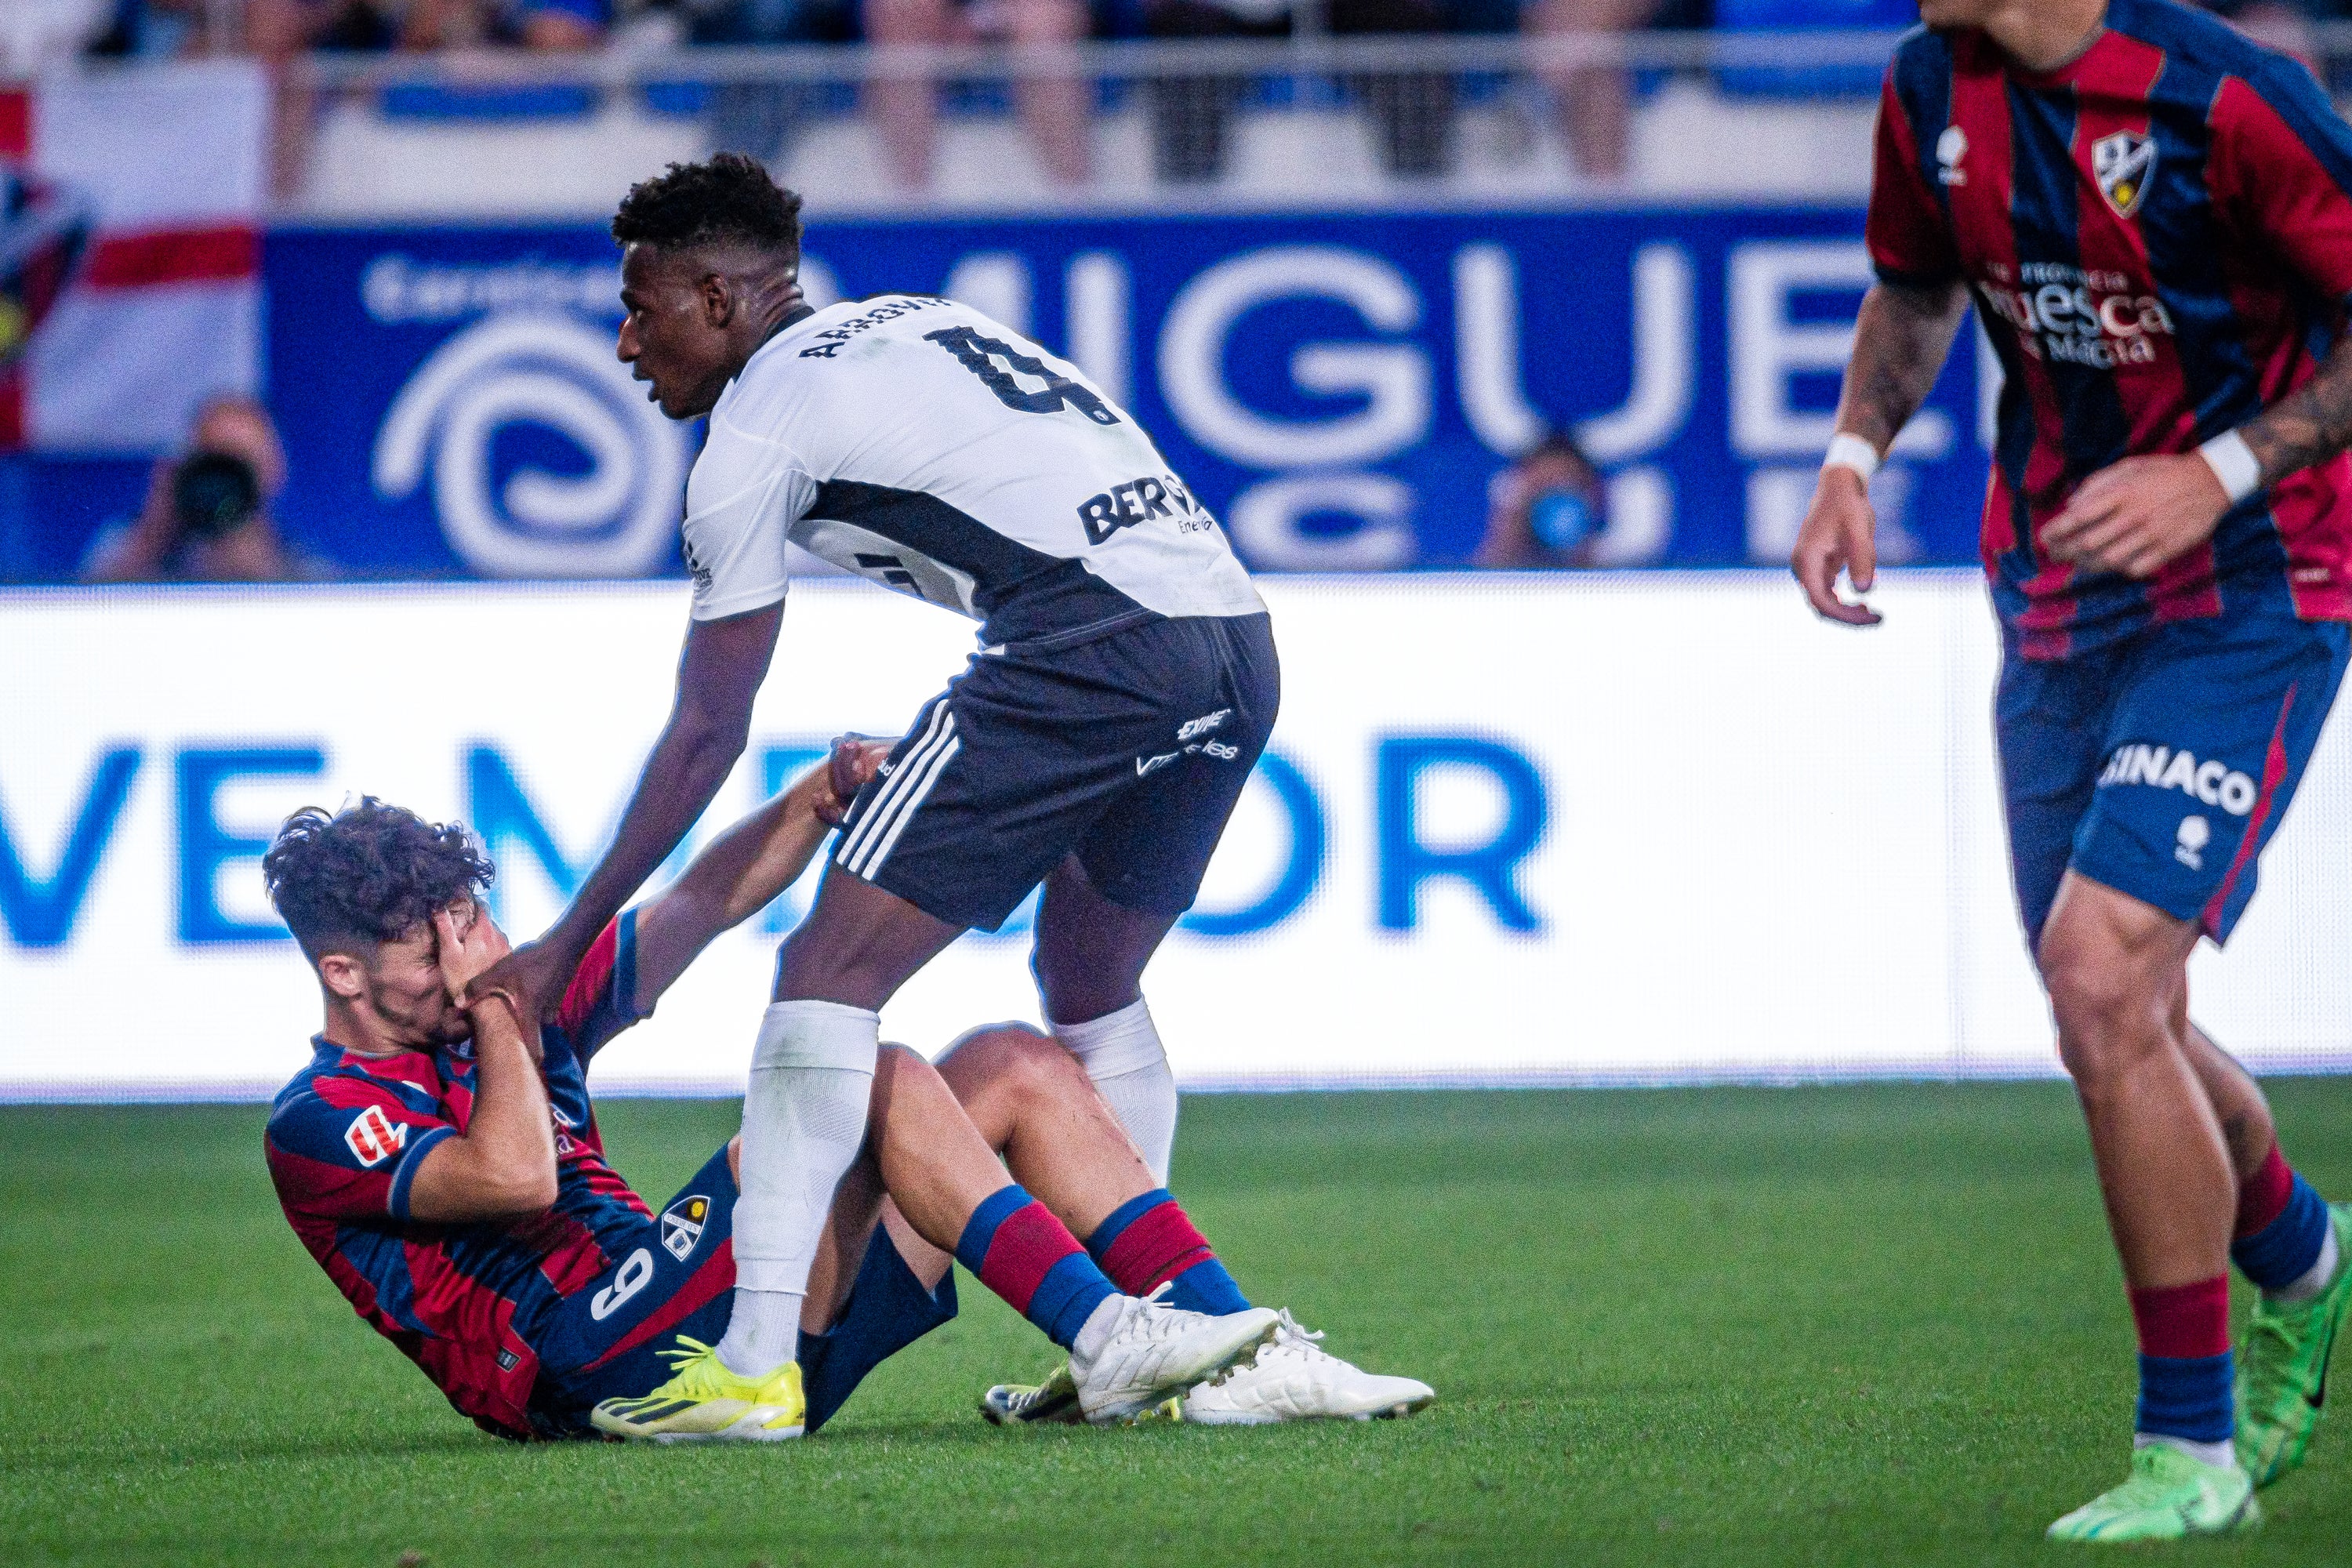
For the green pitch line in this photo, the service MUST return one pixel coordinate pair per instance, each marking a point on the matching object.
(1862, 1326)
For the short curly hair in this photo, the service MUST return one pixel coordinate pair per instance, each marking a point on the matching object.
(368, 874)
(728, 199)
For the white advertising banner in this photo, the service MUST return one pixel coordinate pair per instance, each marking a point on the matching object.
(1617, 828)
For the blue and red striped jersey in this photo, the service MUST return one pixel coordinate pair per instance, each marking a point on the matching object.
(470, 1304)
(2158, 239)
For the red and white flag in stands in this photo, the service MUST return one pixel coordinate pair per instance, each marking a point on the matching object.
(144, 189)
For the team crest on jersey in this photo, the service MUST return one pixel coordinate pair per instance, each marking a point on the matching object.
(1951, 148)
(372, 1137)
(681, 1225)
(2125, 165)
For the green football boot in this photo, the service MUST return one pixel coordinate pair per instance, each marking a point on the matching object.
(2283, 1368)
(2168, 1495)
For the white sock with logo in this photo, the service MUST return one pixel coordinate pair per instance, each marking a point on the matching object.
(803, 1122)
(1121, 1052)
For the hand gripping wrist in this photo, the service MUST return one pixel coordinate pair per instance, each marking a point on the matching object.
(475, 998)
(1849, 451)
(2233, 464)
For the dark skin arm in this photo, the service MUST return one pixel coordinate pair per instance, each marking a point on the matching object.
(1900, 340)
(719, 675)
(2137, 516)
(749, 865)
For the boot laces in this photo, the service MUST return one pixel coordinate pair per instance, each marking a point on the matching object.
(687, 1349)
(1294, 1338)
(1154, 1321)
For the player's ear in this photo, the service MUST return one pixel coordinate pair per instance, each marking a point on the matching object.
(342, 975)
(718, 299)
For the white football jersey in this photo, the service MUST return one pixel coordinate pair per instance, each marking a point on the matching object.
(917, 443)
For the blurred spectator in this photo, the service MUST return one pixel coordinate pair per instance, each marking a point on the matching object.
(554, 25)
(207, 514)
(1546, 510)
(1189, 116)
(35, 34)
(1054, 110)
(276, 30)
(153, 30)
(759, 117)
(1596, 103)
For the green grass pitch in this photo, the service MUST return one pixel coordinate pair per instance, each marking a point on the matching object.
(1860, 1325)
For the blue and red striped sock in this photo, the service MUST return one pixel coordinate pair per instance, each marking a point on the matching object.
(1018, 1250)
(2185, 1370)
(2281, 1228)
(1148, 1240)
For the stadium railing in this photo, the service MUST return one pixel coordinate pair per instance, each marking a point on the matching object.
(1172, 106)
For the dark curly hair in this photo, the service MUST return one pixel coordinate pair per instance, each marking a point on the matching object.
(727, 200)
(368, 874)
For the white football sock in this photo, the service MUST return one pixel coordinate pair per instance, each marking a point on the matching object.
(803, 1122)
(764, 1332)
(2316, 1279)
(1121, 1052)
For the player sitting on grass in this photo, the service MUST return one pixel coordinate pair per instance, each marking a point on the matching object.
(443, 1166)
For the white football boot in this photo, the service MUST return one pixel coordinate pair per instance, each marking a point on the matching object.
(1155, 1350)
(1296, 1379)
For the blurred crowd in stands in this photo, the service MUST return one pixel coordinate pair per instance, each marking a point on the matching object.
(1189, 116)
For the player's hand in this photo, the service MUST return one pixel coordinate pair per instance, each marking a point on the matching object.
(1840, 535)
(534, 974)
(853, 762)
(471, 946)
(470, 942)
(2138, 515)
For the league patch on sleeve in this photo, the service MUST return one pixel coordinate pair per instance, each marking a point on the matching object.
(373, 1137)
(681, 1225)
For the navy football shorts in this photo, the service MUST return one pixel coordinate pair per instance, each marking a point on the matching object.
(1128, 750)
(2161, 764)
(680, 1279)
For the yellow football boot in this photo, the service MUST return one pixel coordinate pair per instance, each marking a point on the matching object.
(703, 1402)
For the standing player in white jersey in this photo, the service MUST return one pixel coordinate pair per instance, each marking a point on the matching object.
(1125, 686)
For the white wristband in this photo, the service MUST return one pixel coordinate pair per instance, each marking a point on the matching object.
(2234, 464)
(1847, 451)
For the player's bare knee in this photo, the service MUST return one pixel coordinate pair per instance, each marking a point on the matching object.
(1039, 1070)
(900, 1071)
(998, 1072)
(2110, 1011)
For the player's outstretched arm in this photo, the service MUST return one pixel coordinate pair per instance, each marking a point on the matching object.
(1900, 340)
(711, 720)
(741, 873)
(503, 1166)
